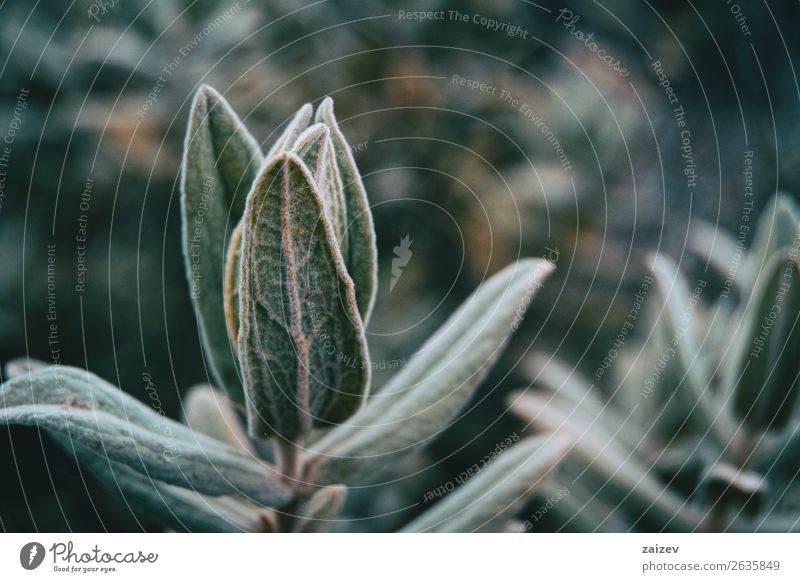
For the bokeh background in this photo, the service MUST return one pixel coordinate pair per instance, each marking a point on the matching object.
(467, 175)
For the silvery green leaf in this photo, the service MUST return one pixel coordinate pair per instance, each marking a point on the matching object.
(767, 370)
(19, 366)
(599, 451)
(297, 124)
(209, 412)
(361, 257)
(230, 289)
(567, 382)
(777, 228)
(220, 161)
(497, 490)
(173, 507)
(301, 340)
(315, 148)
(718, 248)
(422, 399)
(681, 308)
(321, 508)
(80, 410)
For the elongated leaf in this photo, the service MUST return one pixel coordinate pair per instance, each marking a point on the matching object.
(220, 161)
(420, 401)
(83, 411)
(361, 255)
(719, 249)
(315, 148)
(230, 291)
(599, 452)
(768, 367)
(321, 508)
(778, 227)
(680, 310)
(567, 382)
(173, 507)
(494, 494)
(301, 340)
(210, 412)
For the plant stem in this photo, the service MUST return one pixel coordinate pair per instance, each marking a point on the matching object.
(290, 467)
(289, 461)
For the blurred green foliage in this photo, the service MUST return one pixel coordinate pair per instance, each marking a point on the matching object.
(472, 180)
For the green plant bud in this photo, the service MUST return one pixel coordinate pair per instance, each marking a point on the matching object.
(301, 340)
(768, 368)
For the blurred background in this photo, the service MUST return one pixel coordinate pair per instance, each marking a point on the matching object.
(495, 131)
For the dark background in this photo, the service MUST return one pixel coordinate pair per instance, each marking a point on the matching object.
(470, 179)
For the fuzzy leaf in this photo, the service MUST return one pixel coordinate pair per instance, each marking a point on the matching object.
(495, 492)
(80, 410)
(220, 161)
(361, 256)
(321, 508)
(420, 402)
(678, 318)
(301, 340)
(173, 507)
(601, 453)
(718, 248)
(230, 290)
(210, 412)
(316, 150)
(20, 366)
(768, 369)
(777, 228)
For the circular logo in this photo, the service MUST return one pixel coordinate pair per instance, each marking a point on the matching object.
(31, 555)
